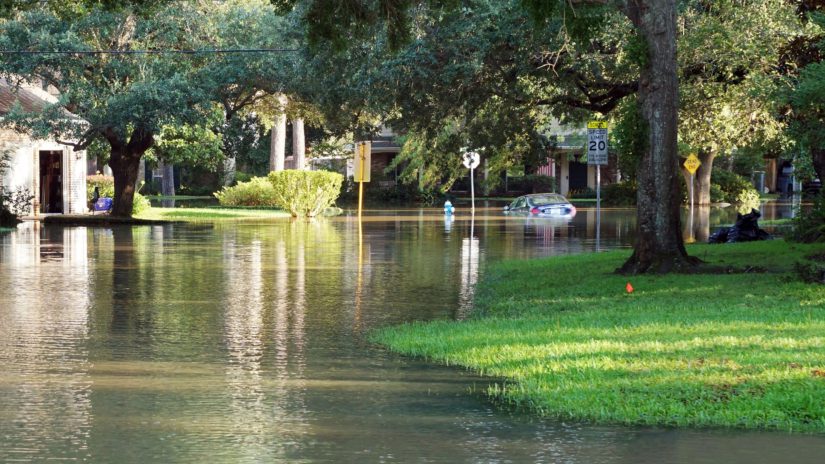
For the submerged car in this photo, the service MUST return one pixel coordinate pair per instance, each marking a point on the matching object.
(542, 205)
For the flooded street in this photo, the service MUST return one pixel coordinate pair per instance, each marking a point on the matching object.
(247, 342)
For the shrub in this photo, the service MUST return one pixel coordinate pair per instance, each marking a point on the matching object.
(257, 192)
(586, 192)
(14, 203)
(735, 188)
(809, 226)
(716, 194)
(105, 185)
(305, 193)
(535, 183)
(620, 194)
(241, 176)
(140, 204)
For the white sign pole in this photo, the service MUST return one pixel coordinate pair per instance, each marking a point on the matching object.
(472, 193)
(471, 161)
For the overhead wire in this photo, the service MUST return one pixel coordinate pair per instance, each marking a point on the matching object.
(148, 52)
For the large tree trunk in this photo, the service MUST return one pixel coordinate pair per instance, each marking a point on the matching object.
(167, 183)
(703, 177)
(125, 163)
(277, 148)
(659, 245)
(298, 143)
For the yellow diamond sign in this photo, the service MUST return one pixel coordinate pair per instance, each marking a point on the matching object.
(692, 163)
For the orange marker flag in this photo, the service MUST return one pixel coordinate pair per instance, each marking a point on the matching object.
(629, 288)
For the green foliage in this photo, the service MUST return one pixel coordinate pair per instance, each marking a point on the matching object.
(241, 176)
(809, 225)
(258, 191)
(717, 195)
(532, 183)
(14, 203)
(305, 193)
(583, 193)
(190, 145)
(140, 204)
(692, 350)
(735, 188)
(105, 186)
(630, 137)
(620, 193)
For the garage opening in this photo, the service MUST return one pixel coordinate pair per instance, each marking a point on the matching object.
(51, 182)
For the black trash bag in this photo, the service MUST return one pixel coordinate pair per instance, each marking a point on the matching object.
(746, 229)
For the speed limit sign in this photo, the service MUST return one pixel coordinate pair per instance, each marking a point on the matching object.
(597, 142)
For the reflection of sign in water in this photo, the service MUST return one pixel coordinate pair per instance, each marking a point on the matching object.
(469, 275)
(597, 142)
(692, 163)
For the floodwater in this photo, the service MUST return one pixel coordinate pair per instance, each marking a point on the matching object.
(247, 342)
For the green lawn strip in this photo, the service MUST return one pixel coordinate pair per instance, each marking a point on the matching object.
(179, 197)
(733, 350)
(210, 214)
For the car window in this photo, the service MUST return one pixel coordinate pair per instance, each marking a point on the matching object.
(519, 203)
(542, 200)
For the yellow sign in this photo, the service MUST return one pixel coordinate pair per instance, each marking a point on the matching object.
(692, 163)
(363, 153)
(597, 125)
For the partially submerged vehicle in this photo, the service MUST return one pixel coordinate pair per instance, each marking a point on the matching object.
(541, 205)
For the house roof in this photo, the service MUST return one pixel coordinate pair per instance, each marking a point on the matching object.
(28, 100)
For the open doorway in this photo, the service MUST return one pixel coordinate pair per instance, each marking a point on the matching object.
(51, 182)
(577, 175)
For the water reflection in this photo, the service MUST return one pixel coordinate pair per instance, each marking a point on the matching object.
(45, 382)
(247, 343)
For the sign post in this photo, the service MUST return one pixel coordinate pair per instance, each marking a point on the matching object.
(597, 156)
(471, 161)
(363, 152)
(692, 163)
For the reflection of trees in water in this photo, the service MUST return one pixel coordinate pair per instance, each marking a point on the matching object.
(46, 408)
(269, 273)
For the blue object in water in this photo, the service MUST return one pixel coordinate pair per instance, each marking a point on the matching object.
(103, 204)
(448, 207)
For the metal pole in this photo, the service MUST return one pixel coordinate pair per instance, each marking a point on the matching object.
(691, 194)
(360, 179)
(472, 193)
(598, 206)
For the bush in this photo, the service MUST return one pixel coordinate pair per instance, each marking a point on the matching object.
(14, 203)
(241, 176)
(620, 193)
(586, 192)
(809, 226)
(716, 194)
(735, 188)
(105, 185)
(140, 204)
(257, 192)
(535, 183)
(305, 193)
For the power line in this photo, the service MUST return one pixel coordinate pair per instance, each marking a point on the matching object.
(214, 51)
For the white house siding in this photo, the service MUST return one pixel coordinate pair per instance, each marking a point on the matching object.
(25, 166)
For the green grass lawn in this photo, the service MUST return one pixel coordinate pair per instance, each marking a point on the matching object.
(210, 214)
(568, 341)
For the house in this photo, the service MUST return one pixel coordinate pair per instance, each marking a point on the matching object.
(53, 173)
(568, 161)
